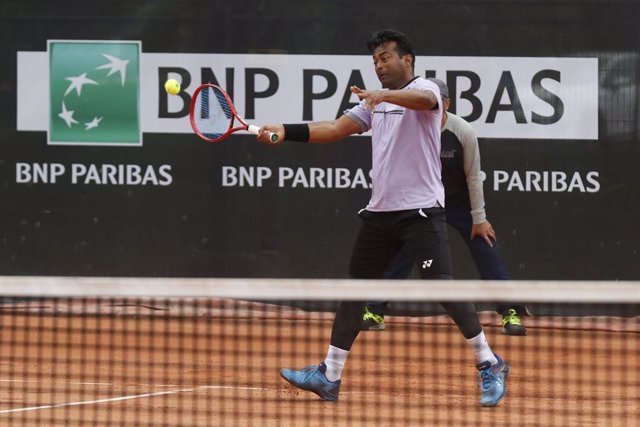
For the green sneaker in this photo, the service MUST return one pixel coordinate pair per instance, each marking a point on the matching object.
(372, 321)
(512, 325)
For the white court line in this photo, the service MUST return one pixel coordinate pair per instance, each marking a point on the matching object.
(121, 398)
(89, 383)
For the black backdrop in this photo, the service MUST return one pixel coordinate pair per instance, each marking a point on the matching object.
(196, 227)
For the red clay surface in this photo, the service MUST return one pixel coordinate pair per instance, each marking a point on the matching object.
(223, 371)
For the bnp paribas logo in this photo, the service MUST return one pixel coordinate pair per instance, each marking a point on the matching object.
(94, 93)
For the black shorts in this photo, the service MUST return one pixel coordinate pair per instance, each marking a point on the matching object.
(382, 234)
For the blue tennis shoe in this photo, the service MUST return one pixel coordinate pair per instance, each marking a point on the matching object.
(493, 381)
(312, 378)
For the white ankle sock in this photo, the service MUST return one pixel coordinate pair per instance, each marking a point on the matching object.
(481, 349)
(336, 358)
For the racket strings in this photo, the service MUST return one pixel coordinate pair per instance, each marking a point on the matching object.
(213, 114)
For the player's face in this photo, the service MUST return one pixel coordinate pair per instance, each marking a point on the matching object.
(392, 70)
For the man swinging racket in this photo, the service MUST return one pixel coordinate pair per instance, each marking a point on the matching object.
(406, 208)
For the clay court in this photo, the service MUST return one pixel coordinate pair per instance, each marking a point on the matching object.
(147, 366)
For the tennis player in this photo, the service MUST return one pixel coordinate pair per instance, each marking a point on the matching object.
(406, 208)
(464, 198)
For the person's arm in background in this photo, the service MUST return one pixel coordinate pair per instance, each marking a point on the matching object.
(471, 161)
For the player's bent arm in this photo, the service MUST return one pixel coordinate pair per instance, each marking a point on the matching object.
(414, 99)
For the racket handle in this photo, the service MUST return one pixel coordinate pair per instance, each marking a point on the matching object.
(255, 129)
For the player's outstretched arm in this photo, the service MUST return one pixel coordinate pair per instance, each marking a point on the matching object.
(314, 132)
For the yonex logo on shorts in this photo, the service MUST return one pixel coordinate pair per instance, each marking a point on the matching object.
(94, 93)
(427, 263)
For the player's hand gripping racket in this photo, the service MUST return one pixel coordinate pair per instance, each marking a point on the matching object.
(213, 115)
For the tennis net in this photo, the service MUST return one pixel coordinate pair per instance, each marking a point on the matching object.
(202, 352)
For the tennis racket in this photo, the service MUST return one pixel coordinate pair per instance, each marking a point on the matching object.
(213, 116)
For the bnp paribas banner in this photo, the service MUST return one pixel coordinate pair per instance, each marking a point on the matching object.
(111, 93)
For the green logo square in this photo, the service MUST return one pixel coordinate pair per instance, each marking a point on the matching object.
(94, 94)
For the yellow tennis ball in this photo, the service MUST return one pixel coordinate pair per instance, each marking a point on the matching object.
(172, 86)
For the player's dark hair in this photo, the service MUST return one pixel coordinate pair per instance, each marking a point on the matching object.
(403, 44)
